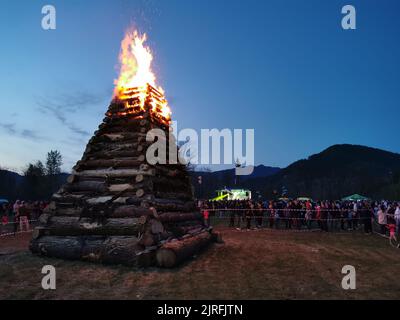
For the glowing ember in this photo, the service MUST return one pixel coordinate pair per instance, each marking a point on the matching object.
(136, 80)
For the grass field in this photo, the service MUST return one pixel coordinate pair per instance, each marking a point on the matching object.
(265, 264)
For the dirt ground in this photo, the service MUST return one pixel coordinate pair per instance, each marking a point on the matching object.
(266, 264)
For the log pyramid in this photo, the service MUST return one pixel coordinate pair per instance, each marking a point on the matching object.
(116, 207)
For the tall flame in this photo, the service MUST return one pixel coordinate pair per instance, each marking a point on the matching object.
(135, 61)
(135, 71)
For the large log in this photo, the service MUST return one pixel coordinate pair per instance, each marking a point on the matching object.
(114, 154)
(106, 147)
(121, 187)
(114, 250)
(145, 185)
(122, 136)
(133, 212)
(109, 163)
(72, 211)
(114, 173)
(111, 250)
(134, 200)
(94, 186)
(111, 138)
(69, 198)
(58, 247)
(173, 253)
(72, 226)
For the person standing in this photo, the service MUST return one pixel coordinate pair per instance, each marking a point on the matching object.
(367, 214)
(23, 215)
(350, 216)
(397, 217)
(342, 217)
(324, 217)
(391, 226)
(249, 213)
(382, 219)
(287, 214)
(308, 214)
(355, 215)
(206, 215)
(259, 213)
(15, 209)
(318, 215)
(271, 214)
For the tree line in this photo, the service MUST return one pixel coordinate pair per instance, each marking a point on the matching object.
(38, 182)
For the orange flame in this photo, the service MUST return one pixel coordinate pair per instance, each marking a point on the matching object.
(135, 72)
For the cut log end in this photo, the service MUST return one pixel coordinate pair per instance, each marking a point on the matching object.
(173, 253)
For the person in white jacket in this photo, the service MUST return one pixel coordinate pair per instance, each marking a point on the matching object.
(397, 217)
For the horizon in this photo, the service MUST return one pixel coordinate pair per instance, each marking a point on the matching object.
(206, 169)
(324, 82)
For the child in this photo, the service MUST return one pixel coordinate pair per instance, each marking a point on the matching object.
(206, 214)
(391, 225)
(392, 231)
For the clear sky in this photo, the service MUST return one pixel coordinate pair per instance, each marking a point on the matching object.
(285, 68)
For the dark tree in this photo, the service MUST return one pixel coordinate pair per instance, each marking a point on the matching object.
(53, 163)
(53, 170)
(35, 170)
(34, 186)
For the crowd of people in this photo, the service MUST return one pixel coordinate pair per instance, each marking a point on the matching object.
(296, 214)
(19, 215)
(248, 214)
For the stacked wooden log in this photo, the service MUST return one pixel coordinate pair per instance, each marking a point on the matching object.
(118, 208)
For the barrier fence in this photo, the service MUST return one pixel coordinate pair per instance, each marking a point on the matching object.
(256, 219)
(17, 227)
(336, 220)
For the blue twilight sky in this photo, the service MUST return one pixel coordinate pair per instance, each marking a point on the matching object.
(285, 68)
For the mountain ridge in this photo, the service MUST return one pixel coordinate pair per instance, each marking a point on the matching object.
(333, 173)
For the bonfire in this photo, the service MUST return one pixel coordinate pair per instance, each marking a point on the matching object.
(115, 206)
